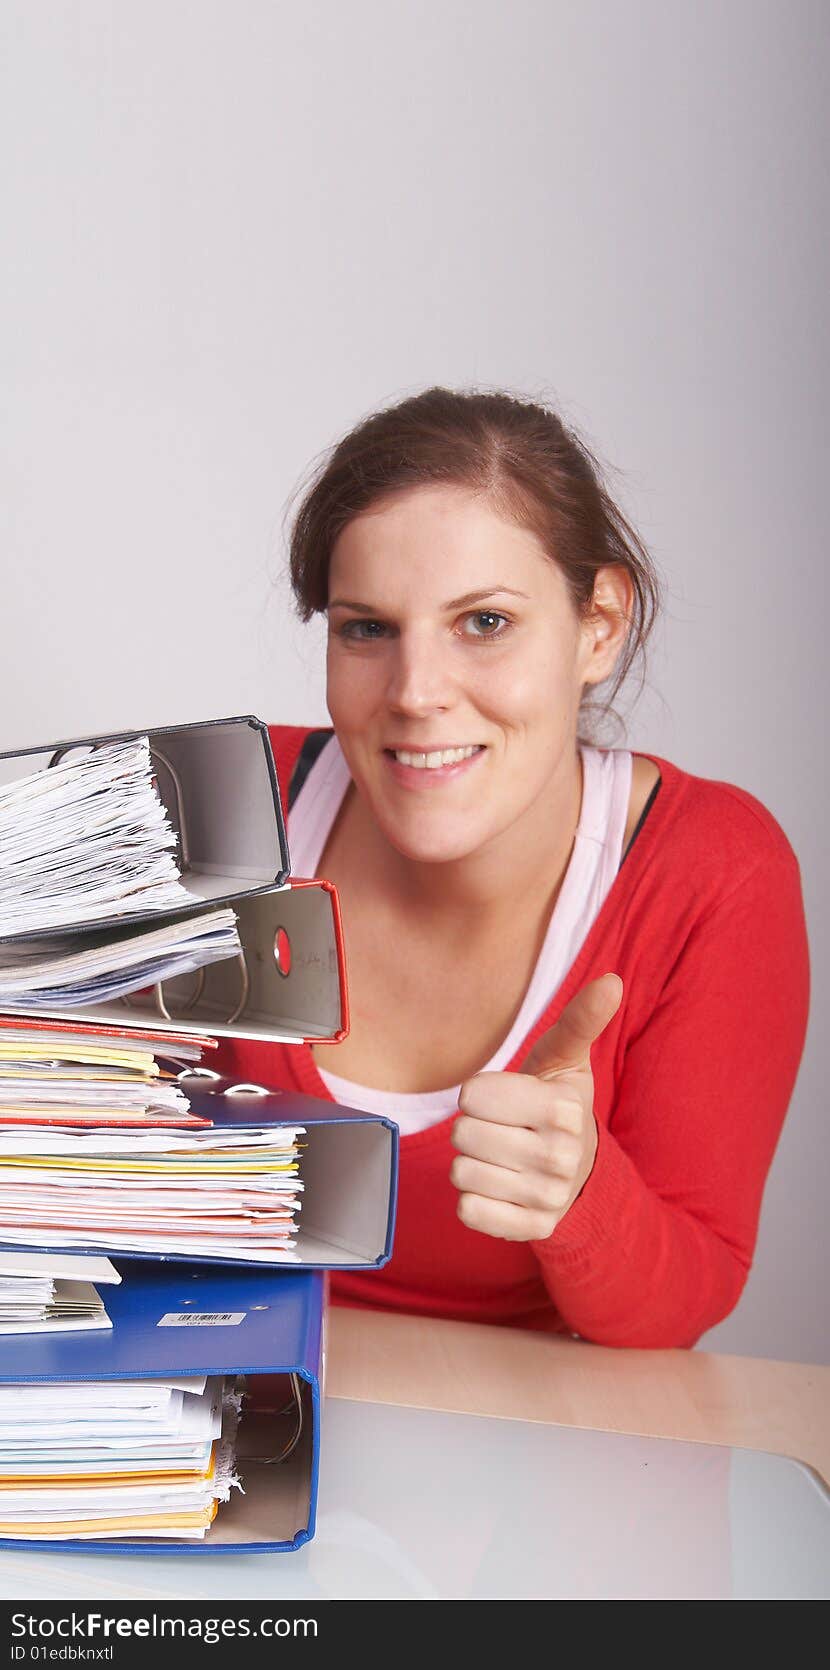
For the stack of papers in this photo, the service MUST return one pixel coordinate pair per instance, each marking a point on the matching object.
(116, 1458)
(81, 1074)
(87, 840)
(105, 966)
(230, 1193)
(99, 1149)
(45, 1293)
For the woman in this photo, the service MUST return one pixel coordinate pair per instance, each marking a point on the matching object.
(598, 958)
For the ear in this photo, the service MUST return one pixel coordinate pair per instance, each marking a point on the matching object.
(605, 623)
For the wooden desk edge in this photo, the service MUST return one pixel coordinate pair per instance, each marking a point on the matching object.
(460, 1367)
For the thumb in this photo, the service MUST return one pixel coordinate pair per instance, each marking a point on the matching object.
(568, 1042)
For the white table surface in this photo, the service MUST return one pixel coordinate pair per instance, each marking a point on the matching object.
(415, 1503)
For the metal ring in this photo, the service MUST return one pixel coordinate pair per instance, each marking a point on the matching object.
(191, 1002)
(289, 1448)
(246, 1090)
(55, 759)
(246, 990)
(183, 1013)
(197, 1073)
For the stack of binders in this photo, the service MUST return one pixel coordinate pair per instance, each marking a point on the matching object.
(225, 1202)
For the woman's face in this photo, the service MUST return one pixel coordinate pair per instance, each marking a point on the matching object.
(456, 663)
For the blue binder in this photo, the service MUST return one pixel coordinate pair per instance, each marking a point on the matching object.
(281, 1333)
(349, 1168)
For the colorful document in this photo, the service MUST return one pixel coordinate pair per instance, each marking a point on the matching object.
(59, 1073)
(171, 1457)
(215, 1193)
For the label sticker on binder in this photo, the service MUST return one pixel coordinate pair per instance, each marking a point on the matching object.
(201, 1319)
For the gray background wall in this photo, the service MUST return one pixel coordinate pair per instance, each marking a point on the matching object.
(231, 229)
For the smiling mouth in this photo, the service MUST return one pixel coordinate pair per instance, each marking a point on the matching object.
(436, 758)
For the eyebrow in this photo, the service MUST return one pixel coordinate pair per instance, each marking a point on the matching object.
(464, 602)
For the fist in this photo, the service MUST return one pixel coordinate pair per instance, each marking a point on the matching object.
(526, 1141)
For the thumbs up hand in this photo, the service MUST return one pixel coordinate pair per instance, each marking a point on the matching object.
(526, 1141)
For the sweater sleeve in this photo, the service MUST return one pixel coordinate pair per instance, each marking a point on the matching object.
(657, 1246)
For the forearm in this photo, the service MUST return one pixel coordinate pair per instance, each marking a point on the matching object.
(625, 1267)
(657, 1246)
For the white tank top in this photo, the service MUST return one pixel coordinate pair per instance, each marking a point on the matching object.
(594, 862)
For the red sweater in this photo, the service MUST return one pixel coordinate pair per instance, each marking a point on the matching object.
(705, 926)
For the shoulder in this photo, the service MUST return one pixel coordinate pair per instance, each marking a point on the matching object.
(286, 745)
(711, 868)
(717, 836)
(709, 907)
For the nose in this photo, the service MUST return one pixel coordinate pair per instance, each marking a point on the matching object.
(420, 681)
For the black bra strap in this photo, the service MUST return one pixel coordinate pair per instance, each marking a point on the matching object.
(641, 820)
(311, 749)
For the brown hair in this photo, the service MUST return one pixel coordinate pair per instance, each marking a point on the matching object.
(519, 454)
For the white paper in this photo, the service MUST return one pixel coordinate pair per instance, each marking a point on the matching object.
(111, 965)
(200, 1142)
(68, 1265)
(71, 1307)
(86, 839)
(188, 1418)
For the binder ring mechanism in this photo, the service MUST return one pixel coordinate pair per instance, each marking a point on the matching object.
(184, 1010)
(183, 859)
(232, 1090)
(295, 1407)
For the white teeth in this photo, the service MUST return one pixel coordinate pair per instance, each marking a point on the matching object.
(430, 762)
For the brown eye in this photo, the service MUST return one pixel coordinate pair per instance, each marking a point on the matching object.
(485, 623)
